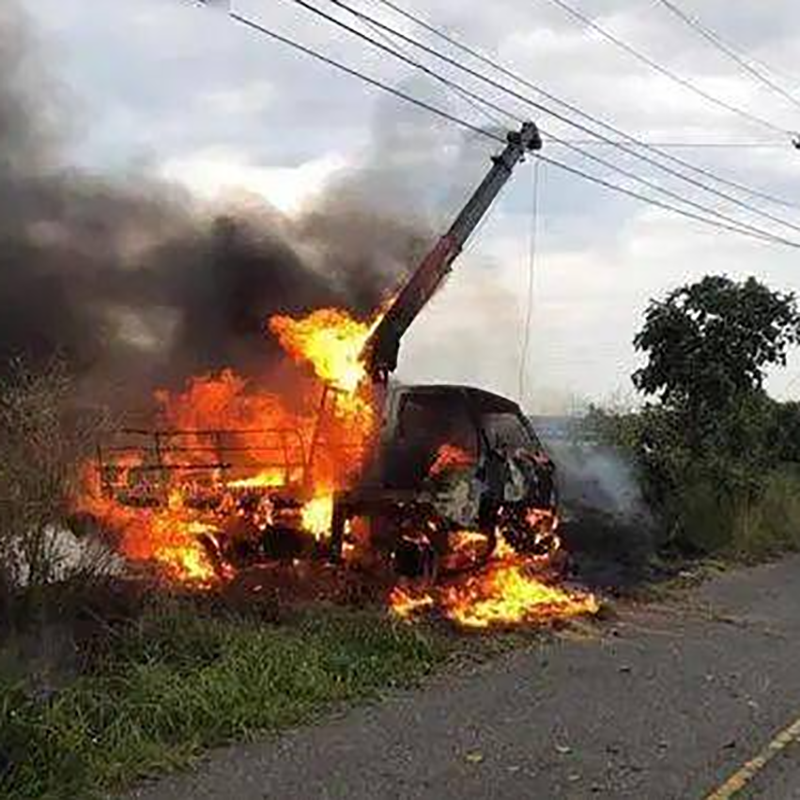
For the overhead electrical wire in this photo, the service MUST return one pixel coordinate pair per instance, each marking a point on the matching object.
(477, 104)
(541, 107)
(717, 41)
(673, 76)
(533, 246)
(463, 91)
(630, 141)
(691, 145)
(405, 96)
(399, 93)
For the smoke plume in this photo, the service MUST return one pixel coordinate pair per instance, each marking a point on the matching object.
(134, 282)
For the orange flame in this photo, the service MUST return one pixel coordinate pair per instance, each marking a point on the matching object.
(407, 605)
(451, 457)
(217, 435)
(508, 595)
(330, 340)
(509, 591)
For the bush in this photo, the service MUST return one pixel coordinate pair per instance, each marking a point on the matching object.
(771, 525)
(43, 442)
(717, 483)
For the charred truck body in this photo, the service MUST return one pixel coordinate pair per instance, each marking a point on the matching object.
(446, 459)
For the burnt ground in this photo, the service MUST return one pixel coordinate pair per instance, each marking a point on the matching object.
(663, 701)
(612, 555)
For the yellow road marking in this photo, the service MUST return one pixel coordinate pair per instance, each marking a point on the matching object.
(745, 775)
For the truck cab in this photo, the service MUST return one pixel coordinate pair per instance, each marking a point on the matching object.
(449, 460)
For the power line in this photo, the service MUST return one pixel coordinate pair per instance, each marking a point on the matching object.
(476, 104)
(534, 104)
(688, 145)
(532, 248)
(664, 206)
(399, 93)
(656, 187)
(631, 141)
(392, 49)
(687, 84)
(467, 93)
(732, 53)
(262, 29)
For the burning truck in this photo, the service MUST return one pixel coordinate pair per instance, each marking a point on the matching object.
(357, 467)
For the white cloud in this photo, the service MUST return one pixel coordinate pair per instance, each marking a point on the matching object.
(220, 174)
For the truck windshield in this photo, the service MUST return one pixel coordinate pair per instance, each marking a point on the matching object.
(507, 432)
(427, 424)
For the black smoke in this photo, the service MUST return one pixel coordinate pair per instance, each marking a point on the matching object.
(132, 282)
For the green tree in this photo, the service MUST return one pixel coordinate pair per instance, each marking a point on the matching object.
(711, 342)
(710, 443)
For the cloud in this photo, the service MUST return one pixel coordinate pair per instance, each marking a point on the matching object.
(218, 175)
(166, 87)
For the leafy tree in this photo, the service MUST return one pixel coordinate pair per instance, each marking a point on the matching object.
(712, 448)
(710, 342)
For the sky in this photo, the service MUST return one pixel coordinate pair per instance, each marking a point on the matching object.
(165, 87)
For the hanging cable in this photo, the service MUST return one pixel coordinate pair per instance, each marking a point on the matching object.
(532, 250)
(478, 105)
(399, 93)
(657, 203)
(728, 50)
(539, 106)
(517, 118)
(689, 145)
(653, 64)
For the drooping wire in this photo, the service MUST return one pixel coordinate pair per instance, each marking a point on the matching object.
(378, 84)
(477, 104)
(717, 41)
(532, 253)
(689, 145)
(629, 139)
(658, 204)
(517, 118)
(264, 30)
(673, 76)
(539, 106)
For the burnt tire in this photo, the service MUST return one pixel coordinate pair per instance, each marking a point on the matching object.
(529, 538)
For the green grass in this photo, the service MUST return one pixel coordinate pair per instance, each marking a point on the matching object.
(735, 527)
(772, 525)
(179, 681)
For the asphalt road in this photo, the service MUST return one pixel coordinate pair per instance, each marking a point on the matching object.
(668, 701)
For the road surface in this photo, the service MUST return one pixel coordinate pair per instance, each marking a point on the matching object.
(668, 701)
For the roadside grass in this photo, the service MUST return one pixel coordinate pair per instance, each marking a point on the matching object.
(743, 529)
(179, 680)
(771, 526)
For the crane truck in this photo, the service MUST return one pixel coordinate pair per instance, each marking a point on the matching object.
(447, 459)
(502, 480)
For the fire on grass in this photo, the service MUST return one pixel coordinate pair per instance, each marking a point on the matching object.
(509, 590)
(231, 465)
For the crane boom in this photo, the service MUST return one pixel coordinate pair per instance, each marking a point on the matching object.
(381, 350)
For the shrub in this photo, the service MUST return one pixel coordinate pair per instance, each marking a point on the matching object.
(43, 442)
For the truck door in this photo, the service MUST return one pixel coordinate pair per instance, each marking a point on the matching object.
(435, 434)
(519, 469)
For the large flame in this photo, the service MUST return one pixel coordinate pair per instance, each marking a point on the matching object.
(330, 340)
(510, 590)
(226, 448)
(171, 506)
(169, 537)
